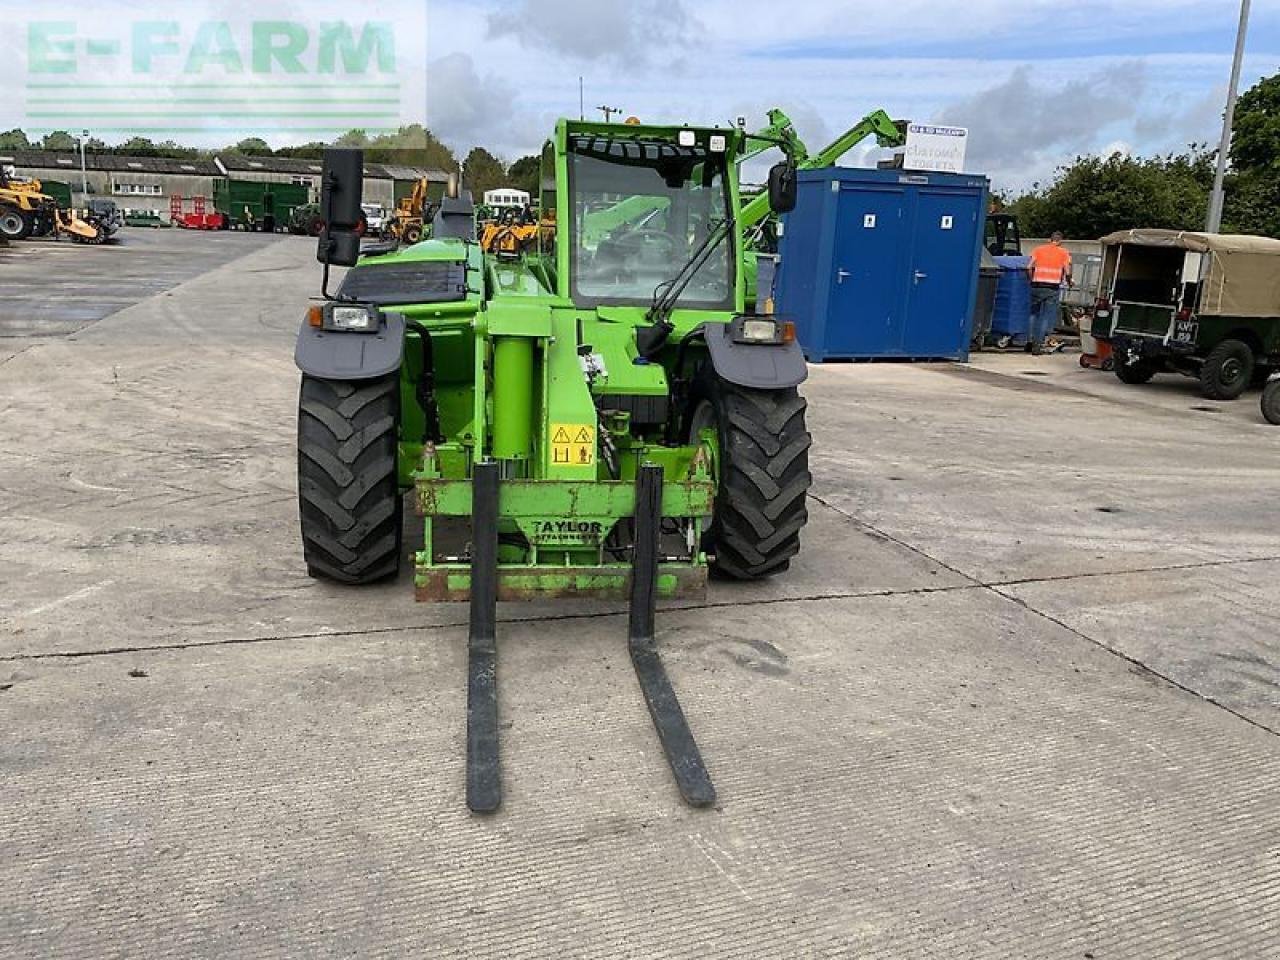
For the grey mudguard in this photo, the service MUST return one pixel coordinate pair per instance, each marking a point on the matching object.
(759, 366)
(339, 355)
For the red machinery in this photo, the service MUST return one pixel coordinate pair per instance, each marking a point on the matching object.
(197, 219)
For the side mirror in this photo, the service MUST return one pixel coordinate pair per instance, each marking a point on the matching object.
(341, 187)
(782, 187)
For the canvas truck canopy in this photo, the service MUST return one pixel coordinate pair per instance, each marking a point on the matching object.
(1241, 275)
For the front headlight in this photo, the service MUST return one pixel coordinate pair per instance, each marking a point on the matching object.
(352, 318)
(760, 331)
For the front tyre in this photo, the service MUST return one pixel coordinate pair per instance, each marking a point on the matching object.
(348, 493)
(763, 475)
(1271, 402)
(14, 224)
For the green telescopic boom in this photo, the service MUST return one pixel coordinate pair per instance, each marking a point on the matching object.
(781, 133)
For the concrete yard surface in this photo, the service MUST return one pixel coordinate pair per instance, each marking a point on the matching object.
(1018, 697)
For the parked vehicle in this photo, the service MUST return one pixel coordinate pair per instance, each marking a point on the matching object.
(597, 417)
(1202, 304)
(105, 215)
(375, 215)
(1002, 237)
(306, 220)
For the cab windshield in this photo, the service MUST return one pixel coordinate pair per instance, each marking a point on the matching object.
(640, 210)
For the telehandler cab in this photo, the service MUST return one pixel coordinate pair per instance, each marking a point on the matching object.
(601, 407)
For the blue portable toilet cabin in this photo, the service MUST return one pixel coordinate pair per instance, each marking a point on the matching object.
(882, 263)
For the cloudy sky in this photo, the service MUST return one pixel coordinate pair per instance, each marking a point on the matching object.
(1036, 82)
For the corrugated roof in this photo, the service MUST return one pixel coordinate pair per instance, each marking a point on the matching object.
(233, 161)
(400, 172)
(221, 165)
(57, 160)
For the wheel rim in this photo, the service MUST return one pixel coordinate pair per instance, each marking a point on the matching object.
(10, 223)
(1232, 370)
(704, 418)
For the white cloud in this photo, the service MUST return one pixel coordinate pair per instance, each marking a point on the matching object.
(621, 31)
(743, 56)
(1018, 123)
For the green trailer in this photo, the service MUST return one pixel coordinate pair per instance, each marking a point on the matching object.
(59, 190)
(257, 204)
(597, 416)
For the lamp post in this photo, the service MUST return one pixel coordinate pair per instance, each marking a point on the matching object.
(84, 171)
(1213, 223)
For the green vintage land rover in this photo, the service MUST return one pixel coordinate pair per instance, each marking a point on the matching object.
(1205, 305)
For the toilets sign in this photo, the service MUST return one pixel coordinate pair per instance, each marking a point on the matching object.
(931, 147)
(126, 67)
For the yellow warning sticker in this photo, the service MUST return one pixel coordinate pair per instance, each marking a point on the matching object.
(573, 444)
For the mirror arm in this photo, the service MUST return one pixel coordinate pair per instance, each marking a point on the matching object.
(324, 281)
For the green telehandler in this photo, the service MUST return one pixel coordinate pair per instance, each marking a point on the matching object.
(596, 416)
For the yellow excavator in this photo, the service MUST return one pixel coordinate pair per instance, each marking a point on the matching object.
(511, 234)
(25, 212)
(412, 213)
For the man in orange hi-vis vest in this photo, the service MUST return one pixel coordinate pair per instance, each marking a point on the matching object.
(1050, 268)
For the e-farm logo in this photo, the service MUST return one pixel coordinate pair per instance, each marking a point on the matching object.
(151, 75)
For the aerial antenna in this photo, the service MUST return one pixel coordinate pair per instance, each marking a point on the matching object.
(609, 112)
(582, 102)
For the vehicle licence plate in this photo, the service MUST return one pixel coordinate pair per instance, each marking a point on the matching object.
(1186, 330)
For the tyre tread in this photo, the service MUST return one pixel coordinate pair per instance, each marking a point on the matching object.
(348, 495)
(764, 478)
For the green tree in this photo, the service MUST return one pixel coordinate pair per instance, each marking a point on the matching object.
(138, 147)
(1253, 188)
(1252, 204)
(59, 140)
(168, 148)
(1255, 129)
(1094, 196)
(482, 171)
(413, 145)
(352, 138)
(306, 151)
(525, 173)
(14, 140)
(252, 147)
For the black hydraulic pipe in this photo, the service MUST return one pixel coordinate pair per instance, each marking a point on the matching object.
(668, 718)
(484, 788)
(426, 391)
